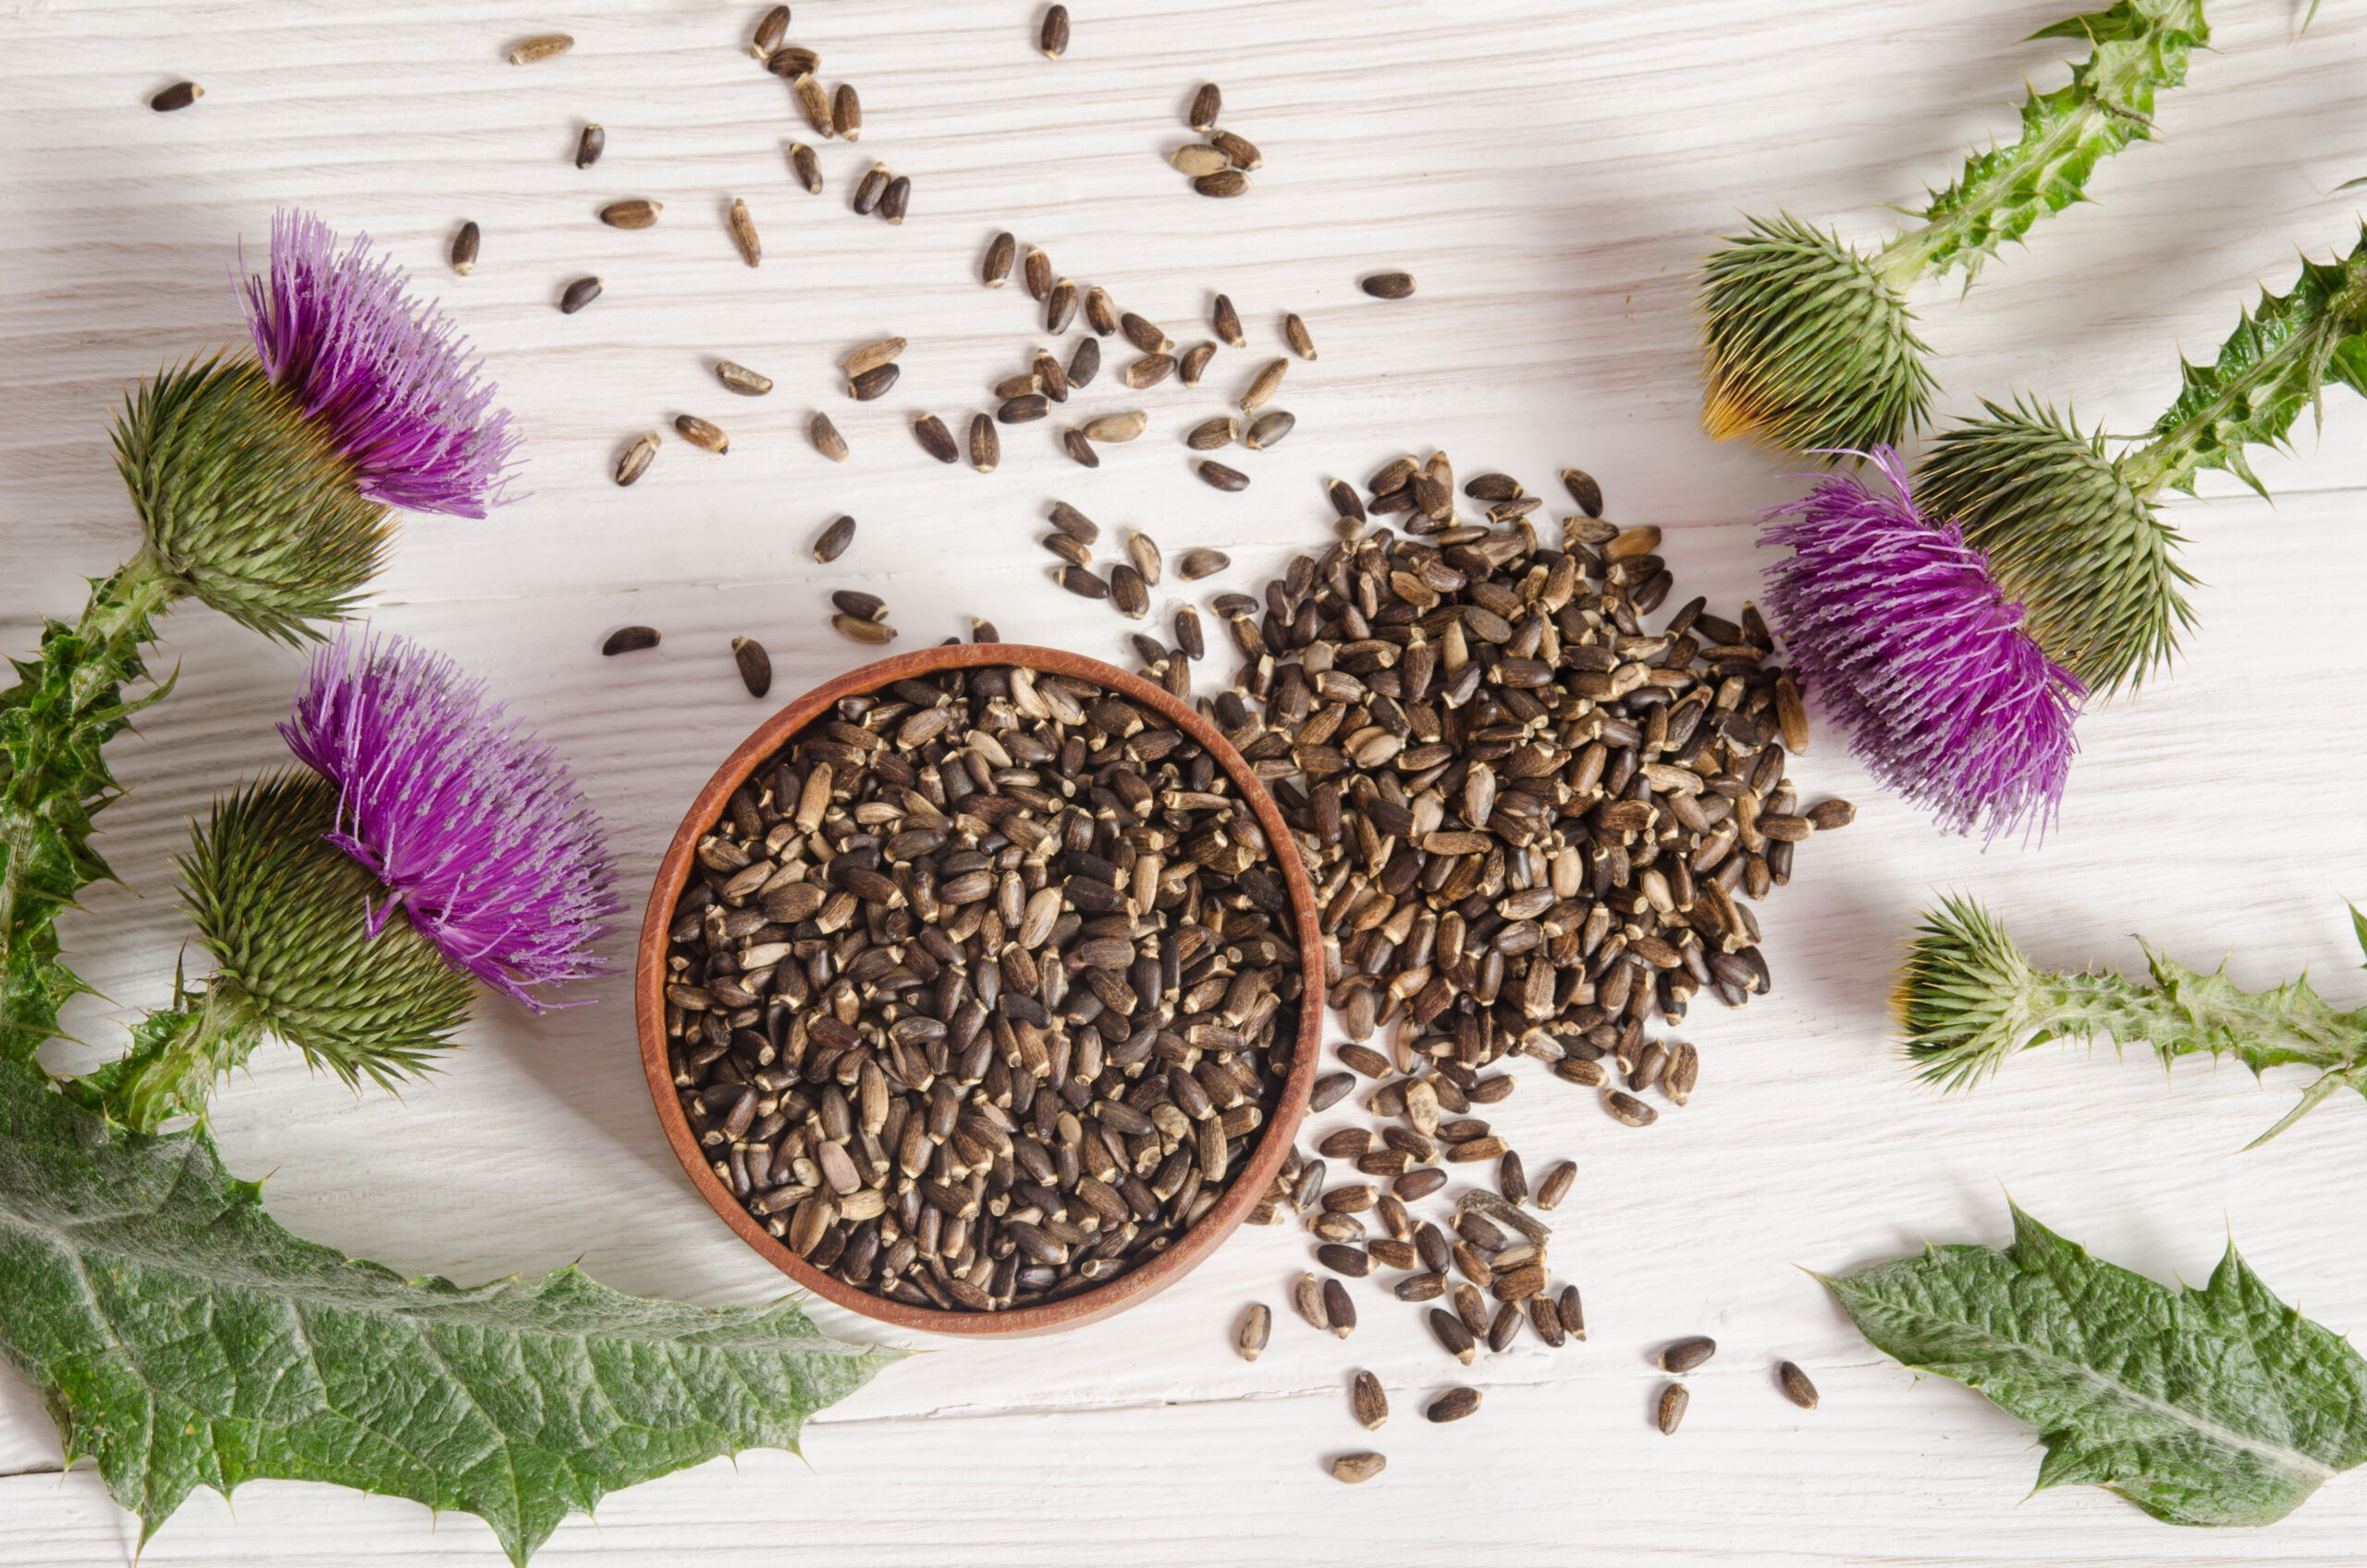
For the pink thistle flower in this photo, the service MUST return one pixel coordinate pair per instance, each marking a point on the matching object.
(1901, 632)
(473, 825)
(392, 381)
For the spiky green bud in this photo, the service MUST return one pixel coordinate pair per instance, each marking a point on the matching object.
(284, 915)
(2067, 536)
(1808, 345)
(246, 502)
(1967, 998)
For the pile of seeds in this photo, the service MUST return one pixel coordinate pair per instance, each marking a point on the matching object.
(1219, 165)
(982, 989)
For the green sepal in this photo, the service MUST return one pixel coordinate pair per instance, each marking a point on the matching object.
(181, 1339)
(2274, 364)
(177, 1054)
(2140, 48)
(2217, 1406)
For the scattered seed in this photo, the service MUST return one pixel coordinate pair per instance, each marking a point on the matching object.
(1556, 1186)
(1682, 1070)
(984, 632)
(1059, 307)
(1197, 564)
(1450, 1333)
(1025, 408)
(1240, 148)
(770, 29)
(1683, 1355)
(846, 112)
(1223, 478)
(1307, 1296)
(1075, 523)
(876, 633)
(935, 439)
(464, 249)
(1267, 430)
(1117, 427)
(589, 144)
(1674, 1399)
(1256, 1326)
(1795, 1385)
(1345, 501)
(1143, 550)
(1127, 592)
(545, 46)
(1227, 321)
(1149, 371)
(755, 665)
(631, 640)
(699, 432)
(870, 189)
(860, 604)
(1198, 159)
(806, 166)
(1626, 1107)
(872, 384)
(182, 94)
(985, 446)
(579, 293)
(1224, 182)
(1037, 268)
(1187, 633)
(636, 212)
(1052, 38)
(1572, 1311)
(1367, 1402)
(740, 379)
(1358, 1468)
(834, 540)
(1086, 364)
(1388, 285)
(811, 100)
(1206, 104)
(827, 440)
(743, 233)
(1584, 490)
(1082, 582)
(994, 271)
(1264, 386)
(790, 61)
(637, 457)
(1210, 435)
(1454, 1405)
(1339, 1308)
(1302, 343)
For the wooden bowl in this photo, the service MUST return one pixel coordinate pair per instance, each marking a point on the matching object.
(1086, 1307)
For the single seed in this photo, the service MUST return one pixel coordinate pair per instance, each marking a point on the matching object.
(985, 446)
(1454, 1404)
(1197, 158)
(806, 166)
(629, 640)
(790, 61)
(1367, 1402)
(1683, 1070)
(1556, 1186)
(636, 212)
(1256, 1325)
(743, 233)
(984, 632)
(1302, 343)
(811, 100)
(545, 46)
(1240, 148)
(834, 539)
(1075, 523)
(1211, 434)
(1051, 376)
(702, 435)
(182, 94)
(1685, 1354)
(637, 457)
(1068, 549)
(1267, 430)
(869, 188)
(1227, 321)
(1117, 427)
(1795, 1385)
(1143, 550)
(1187, 633)
(1025, 408)
(1345, 501)
(827, 440)
(871, 355)
(1307, 1296)
(877, 633)
(740, 379)
(1127, 592)
(846, 113)
(579, 293)
(1038, 270)
(994, 271)
(1674, 1399)
(1059, 307)
(1223, 478)
(1206, 105)
(1081, 582)
(1196, 564)
(1086, 364)
(1224, 182)
(771, 29)
(1572, 1311)
(1388, 285)
(1144, 333)
(1339, 1308)
(1052, 38)
(464, 249)
(935, 439)
(589, 144)
(1451, 1333)
(1584, 490)
(755, 665)
(1358, 1468)
(1079, 449)
(861, 605)
(872, 384)
(1194, 364)
(1266, 384)
(1626, 1107)
(1149, 371)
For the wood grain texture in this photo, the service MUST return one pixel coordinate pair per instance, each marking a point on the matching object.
(1550, 173)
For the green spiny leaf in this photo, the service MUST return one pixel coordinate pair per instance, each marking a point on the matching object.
(182, 1339)
(2217, 1406)
(2274, 364)
(2140, 48)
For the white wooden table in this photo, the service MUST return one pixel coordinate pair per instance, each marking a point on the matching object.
(1552, 173)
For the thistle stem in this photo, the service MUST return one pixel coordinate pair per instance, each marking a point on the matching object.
(178, 1055)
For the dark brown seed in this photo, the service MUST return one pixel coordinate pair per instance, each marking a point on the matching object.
(1331, 1089)
(1187, 633)
(1051, 376)
(1826, 815)
(1077, 580)
(1206, 104)
(579, 293)
(1267, 430)
(1356, 1468)
(790, 61)
(935, 439)
(1683, 1071)
(1626, 1107)
(872, 384)
(827, 439)
(699, 432)
(1052, 38)
(806, 166)
(984, 632)
(1075, 523)
(1257, 1327)
(637, 458)
(813, 100)
(860, 604)
(994, 271)
(1294, 331)
(1059, 307)
(1683, 1355)
(1339, 1308)
(1194, 364)
(770, 29)
(1511, 1179)
(636, 212)
(1795, 1385)
(1240, 148)
(740, 379)
(834, 540)
(1210, 435)
(897, 199)
(545, 46)
(846, 112)
(1024, 409)
(1085, 364)
(1452, 1334)
(1037, 268)
(629, 639)
(1149, 371)
(1572, 1311)
(464, 249)
(1367, 1403)
(1227, 321)
(867, 189)
(589, 144)
(1144, 334)
(1127, 595)
(1419, 1184)
(1345, 501)
(1556, 1186)
(1223, 478)
(1584, 490)
(985, 446)
(1454, 1404)
(1388, 285)
(1079, 449)
(1420, 1287)
(1544, 1318)
(1674, 1399)
(756, 672)
(1350, 1261)
(1195, 565)
(1224, 182)
(182, 94)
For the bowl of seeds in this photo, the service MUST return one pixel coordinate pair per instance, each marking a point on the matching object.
(980, 991)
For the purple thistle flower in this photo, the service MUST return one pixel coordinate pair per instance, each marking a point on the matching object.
(1904, 637)
(396, 386)
(473, 825)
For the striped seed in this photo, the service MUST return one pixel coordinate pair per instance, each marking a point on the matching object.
(702, 435)
(743, 233)
(994, 271)
(740, 379)
(1388, 285)
(1301, 342)
(834, 540)
(1263, 387)
(636, 212)
(579, 293)
(545, 46)
(846, 113)
(1224, 182)
(1206, 105)
(1227, 321)
(755, 671)
(826, 438)
(629, 639)
(637, 458)
(806, 166)
(1052, 38)
(985, 446)
(464, 249)
(589, 144)
(935, 439)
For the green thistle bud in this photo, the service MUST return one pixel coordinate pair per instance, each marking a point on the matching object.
(2068, 537)
(285, 916)
(247, 504)
(1808, 345)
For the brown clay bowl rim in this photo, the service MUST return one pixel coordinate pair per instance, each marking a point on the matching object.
(1135, 1285)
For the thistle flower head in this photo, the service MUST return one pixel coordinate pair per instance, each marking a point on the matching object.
(389, 379)
(2067, 536)
(473, 826)
(1909, 640)
(287, 918)
(1808, 345)
(1963, 998)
